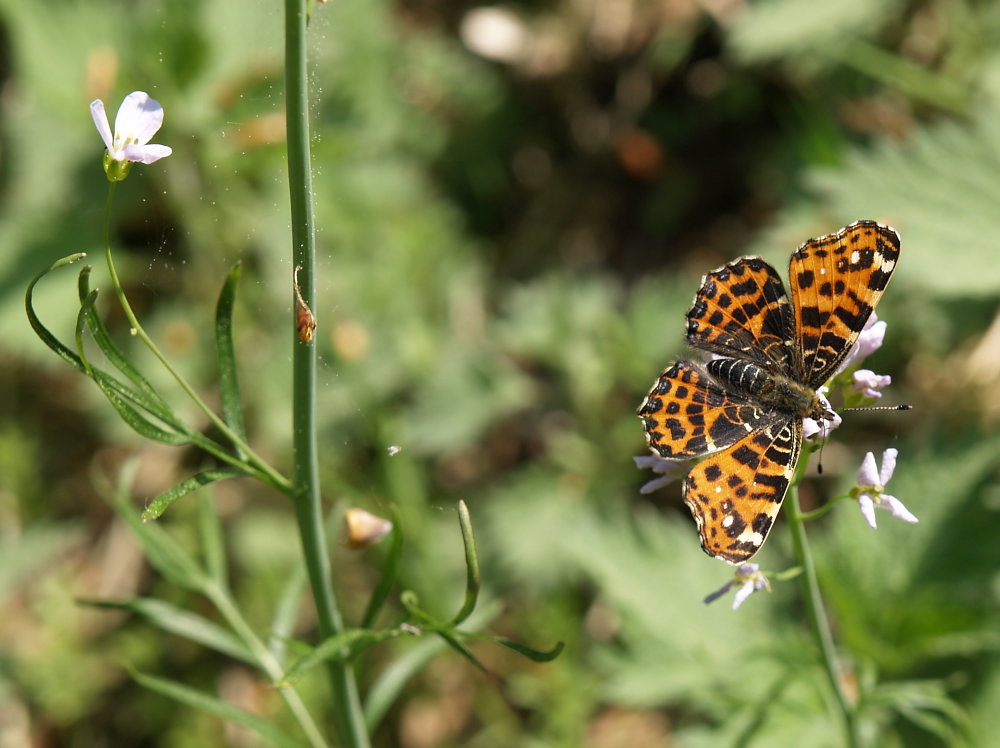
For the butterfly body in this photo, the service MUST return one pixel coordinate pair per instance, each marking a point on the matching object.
(768, 388)
(743, 410)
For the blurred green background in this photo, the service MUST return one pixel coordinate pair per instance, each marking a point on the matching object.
(515, 206)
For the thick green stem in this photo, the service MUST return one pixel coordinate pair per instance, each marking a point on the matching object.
(817, 615)
(308, 510)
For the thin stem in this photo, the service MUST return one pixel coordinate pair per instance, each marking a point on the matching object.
(306, 496)
(816, 513)
(817, 614)
(267, 661)
(267, 473)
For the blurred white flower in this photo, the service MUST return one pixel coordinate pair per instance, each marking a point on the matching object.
(869, 384)
(871, 486)
(749, 579)
(669, 470)
(869, 341)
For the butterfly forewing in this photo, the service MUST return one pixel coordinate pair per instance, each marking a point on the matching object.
(742, 310)
(836, 282)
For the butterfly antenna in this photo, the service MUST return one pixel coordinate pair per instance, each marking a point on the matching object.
(819, 467)
(880, 407)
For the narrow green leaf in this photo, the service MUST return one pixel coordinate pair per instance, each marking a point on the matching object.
(535, 655)
(153, 400)
(113, 389)
(212, 543)
(61, 350)
(389, 571)
(36, 324)
(229, 387)
(471, 565)
(181, 622)
(210, 704)
(341, 647)
(286, 611)
(125, 400)
(159, 505)
(166, 556)
(455, 644)
(411, 602)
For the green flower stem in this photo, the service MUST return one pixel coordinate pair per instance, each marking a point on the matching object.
(817, 613)
(267, 473)
(817, 513)
(308, 510)
(267, 661)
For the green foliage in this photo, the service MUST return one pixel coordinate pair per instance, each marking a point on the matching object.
(939, 190)
(500, 324)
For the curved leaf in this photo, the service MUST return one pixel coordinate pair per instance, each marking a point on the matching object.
(159, 505)
(229, 386)
(471, 565)
(153, 400)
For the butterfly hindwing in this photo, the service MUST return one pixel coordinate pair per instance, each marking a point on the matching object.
(688, 414)
(735, 495)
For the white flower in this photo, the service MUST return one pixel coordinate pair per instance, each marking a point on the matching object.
(868, 383)
(812, 427)
(870, 487)
(869, 341)
(669, 470)
(138, 119)
(749, 578)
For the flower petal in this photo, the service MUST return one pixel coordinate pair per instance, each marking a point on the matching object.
(146, 154)
(101, 122)
(719, 592)
(888, 465)
(894, 505)
(743, 593)
(650, 486)
(868, 383)
(869, 341)
(812, 427)
(138, 119)
(867, 507)
(868, 472)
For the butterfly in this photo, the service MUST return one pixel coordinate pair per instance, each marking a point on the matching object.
(744, 407)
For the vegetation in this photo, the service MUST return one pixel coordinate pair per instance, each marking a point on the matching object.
(514, 207)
